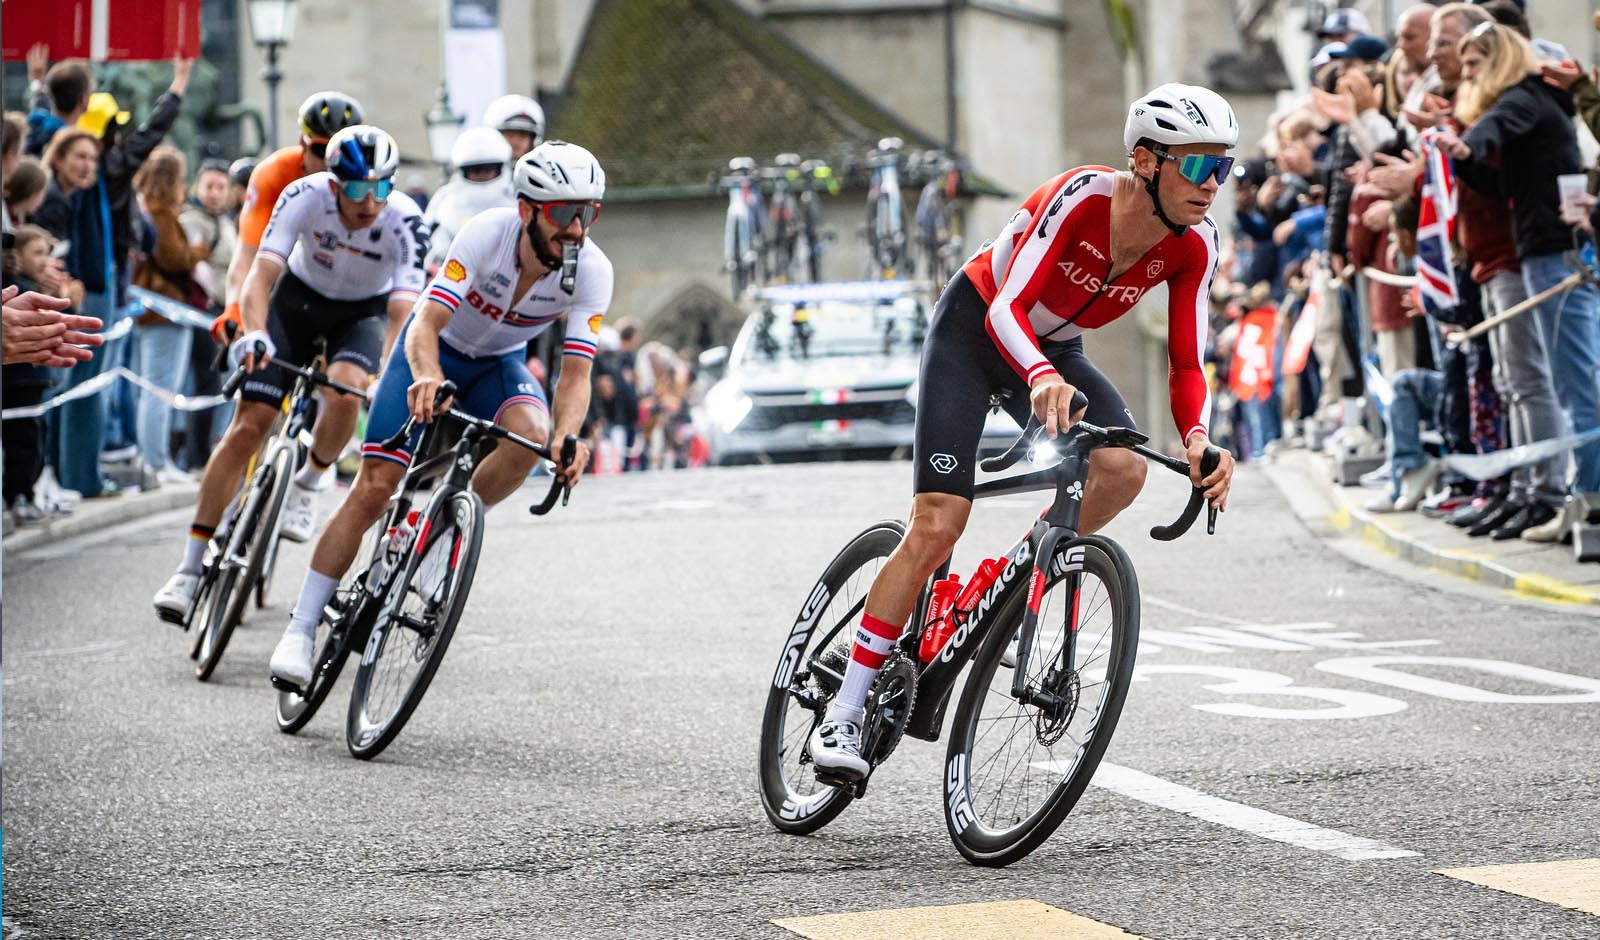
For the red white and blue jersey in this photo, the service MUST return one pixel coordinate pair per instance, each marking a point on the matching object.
(306, 235)
(1047, 277)
(479, 275)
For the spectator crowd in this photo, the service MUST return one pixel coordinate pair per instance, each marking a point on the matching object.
(1431, 180)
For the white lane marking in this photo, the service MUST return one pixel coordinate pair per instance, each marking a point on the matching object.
(1181, 799)
(87, 649)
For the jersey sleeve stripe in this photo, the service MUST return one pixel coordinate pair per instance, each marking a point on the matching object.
(398, 456)
(403, 293)
(443, 296)
(282, 259)
(1008, 321)
(579, 347)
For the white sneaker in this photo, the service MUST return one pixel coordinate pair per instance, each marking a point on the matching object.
(1379, 503)
(175, 597)
(1378, 477)
(299, 514)
(1414, 485)
(170, 474)
(291, 660)
(1558, 529)
(836, 749)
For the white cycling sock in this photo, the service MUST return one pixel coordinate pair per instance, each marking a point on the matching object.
(311, 476)
(194, 553)
(315, 592)
(874, 640)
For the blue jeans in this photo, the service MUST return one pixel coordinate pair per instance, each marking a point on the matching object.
(1417, 393)
(81, 424)
(1571, 324)
(163, 360)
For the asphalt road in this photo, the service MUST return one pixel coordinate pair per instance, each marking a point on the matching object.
(584, 763)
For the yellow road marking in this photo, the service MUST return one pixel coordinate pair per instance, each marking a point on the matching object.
(998, 920)
(1574, 884)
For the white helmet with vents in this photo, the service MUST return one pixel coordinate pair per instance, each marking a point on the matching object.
(556, 171)
(516, 113)
(1174, 115)
(480, 146)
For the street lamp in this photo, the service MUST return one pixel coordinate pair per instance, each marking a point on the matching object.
(271, 26)
(443, 126)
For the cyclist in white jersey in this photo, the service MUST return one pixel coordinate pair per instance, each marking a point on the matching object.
(482, 159)
(341, 260)
(503, 282)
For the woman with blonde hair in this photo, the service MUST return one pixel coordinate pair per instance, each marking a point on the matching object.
(161, 346)
(1520, 138)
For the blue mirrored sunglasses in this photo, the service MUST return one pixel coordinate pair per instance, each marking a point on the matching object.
(1196, 167)
(357, 190)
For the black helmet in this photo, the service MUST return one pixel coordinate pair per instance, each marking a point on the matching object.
(327, 113)
(239, 170)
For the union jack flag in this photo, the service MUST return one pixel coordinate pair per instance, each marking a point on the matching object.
(1436, 223)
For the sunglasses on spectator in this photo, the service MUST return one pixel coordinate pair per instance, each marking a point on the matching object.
(318, 148)
(358, 190)
(1197, 167)
(561, 214)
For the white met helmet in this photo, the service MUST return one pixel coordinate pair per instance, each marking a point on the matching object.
(556, 171)
(516, 113)
(362, 152)
(1174, 114)
(480, 146)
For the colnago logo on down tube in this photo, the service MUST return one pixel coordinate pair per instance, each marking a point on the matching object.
(1013, 564)
(799, 634)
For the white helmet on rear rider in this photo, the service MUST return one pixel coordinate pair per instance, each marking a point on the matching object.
(556, 171)
(516, 113)
(1174, 114)
(480, 146)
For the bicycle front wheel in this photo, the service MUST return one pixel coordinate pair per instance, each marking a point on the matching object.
(810, 669)
(417, 620)
(245, 556)
(1013, 771)
(336, 636)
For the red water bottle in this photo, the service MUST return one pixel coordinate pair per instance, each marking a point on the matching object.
(939, 626)
(981, 579)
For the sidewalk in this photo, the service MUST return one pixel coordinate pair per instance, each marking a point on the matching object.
(1547, 572)
(90, 515)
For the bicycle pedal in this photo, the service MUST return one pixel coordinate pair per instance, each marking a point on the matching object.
(284, 685)
(843, 781)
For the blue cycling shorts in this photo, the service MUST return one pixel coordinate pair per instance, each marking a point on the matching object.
(486, 387)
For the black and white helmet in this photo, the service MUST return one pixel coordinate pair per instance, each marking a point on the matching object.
(326, 113)
(556, 171)
(1174, 115)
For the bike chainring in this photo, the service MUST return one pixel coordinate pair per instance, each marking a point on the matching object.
(889, 703)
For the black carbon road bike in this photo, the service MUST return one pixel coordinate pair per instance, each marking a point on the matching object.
(1050, 644)
(243, 554)
(399, 610)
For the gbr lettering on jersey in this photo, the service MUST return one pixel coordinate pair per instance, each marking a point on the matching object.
(478, 278)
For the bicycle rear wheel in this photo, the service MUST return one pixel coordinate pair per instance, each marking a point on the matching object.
(274, 538)
(809, 671)
(413, 629)
(1014, 771)
(336, 637)
(246, 553)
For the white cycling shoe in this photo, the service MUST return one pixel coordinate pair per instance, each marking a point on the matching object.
(299, 513)
(835, 748)
(175, 597)
(291, 661)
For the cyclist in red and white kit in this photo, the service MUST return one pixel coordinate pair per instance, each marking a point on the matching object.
(1080, 252)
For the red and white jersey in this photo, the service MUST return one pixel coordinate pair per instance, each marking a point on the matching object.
(306, 234)
(1046, 276)
(479, 275)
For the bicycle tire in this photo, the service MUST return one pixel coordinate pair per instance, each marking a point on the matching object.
(451, 525)
(334, 641)
(794, 800)
(202, 611)
(256, 523)
(972, 816)
(263, 584)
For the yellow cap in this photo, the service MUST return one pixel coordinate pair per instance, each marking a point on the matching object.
(102, 109)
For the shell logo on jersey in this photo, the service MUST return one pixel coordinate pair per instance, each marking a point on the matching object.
(594, 322)
(455, 271)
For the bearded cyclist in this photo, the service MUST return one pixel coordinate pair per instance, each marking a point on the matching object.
(1081, 252)
(502, 283)
(341, 260)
